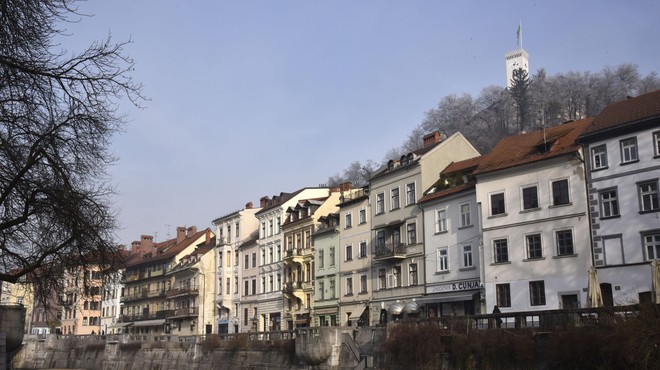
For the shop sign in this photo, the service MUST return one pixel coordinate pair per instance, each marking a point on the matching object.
(455, 287)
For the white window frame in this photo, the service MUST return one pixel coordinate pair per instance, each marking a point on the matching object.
(349, 252)
(349, 286)
(468, 256)
(568, 189)
(629, 150)
(651, 241)
(413, 274)
(442, 262)
(413, 233)
(609, 205)
(495, 254)
(380, 203)
(466, 217)
(395, 199)
(527, 246)
(362, 216)
(556, 234)
(348, 220)
(411, 191)
(490, 202)
(363, 249)
(652, 194)
(522, 196)
(599, 157)
(441, 220)
(656, 143)
(364, 285)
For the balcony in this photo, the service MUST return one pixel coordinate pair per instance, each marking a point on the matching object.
(185, 312)
(395, 250)
(187, 290)
(296, 290)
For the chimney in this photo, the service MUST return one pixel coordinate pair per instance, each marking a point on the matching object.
(208, 234)
(192, 230)
(433, 138)
(180, 233)
(135, 247)
(248, 205)
(345, 186)
(263, 201)
(147, 241)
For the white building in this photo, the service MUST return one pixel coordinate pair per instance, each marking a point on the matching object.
(452, 237)
(622, 147)
(231, 231)
(533, 203)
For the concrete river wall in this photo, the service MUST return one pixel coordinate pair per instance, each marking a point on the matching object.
(318, 348)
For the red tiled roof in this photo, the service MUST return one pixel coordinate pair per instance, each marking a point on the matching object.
(533, 146)
(453, 190)
(463, 165)
(164, 250)
(631, 110)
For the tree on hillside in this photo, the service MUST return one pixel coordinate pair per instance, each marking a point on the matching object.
(357, 173)
(519, 91)
(58, 112)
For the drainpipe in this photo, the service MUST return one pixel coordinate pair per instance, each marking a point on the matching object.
(482, 264)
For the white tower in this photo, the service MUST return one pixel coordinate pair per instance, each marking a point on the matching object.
(516, 59)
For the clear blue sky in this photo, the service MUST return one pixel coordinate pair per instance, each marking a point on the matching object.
(252, 98)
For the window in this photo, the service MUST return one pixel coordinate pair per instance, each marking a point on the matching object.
(263, 230)
(321, 262)
(497, 204)
(503, 292)
(254, 286)
(349, 252)
(465, 215)
(228, 258)
(246, 287)
(537, 293)
(652, 246)
(534, 248)
(237, 229)
(380, 203)
(270, 227)
(648, 196)
(254, 259)
(412, 233)
(363, 249)
(565, 243)
(349, 286)
(331, 256)
(609, 204)
(247, 262)
(332, 288)
(380, 238)
(382, 281)
(412, 271)
(599, 157)
(395, 198)
(348, 220)
(530, 197)
(228, 288)
(411, 197)
(363, 283)
(443, 259)
(362, 215)
(629, 150)
(278, 224)
(321, 290)
(441, 220)
(501, 250)
(560, 192)
(467, 256)
(396, 273)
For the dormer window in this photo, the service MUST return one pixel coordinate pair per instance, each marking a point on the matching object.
(390, 165)
(410, 157)
(403, 160)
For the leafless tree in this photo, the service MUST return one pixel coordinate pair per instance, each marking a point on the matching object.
(58, 112)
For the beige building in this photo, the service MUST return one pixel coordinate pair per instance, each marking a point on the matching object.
(145, 304)
(353, 257)
(81, 301)
(19, 293)
(269, 313)
(397, 223)
(300, 223)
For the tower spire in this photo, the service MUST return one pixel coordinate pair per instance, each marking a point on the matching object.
(519, 35)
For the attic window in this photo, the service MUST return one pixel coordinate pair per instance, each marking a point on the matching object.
(410, 157)
(403, 160)
(544, 147)
(390, 165)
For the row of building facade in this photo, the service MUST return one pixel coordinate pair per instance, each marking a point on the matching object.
(440, 231)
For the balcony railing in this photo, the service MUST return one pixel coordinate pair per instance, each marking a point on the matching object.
(391, 250)
(291, 286)
(186, 312)
(188, 290)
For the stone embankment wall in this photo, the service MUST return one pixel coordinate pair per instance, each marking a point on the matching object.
(321, 348)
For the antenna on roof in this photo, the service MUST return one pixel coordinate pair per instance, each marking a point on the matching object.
(168, 231)
(155, 236)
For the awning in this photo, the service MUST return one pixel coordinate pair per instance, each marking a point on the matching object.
(448, 297)
(395, 309)
(149, 322)
(411, 307)
(120, 325)
(326, 311)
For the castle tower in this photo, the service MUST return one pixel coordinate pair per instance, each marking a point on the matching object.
(516, 59)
